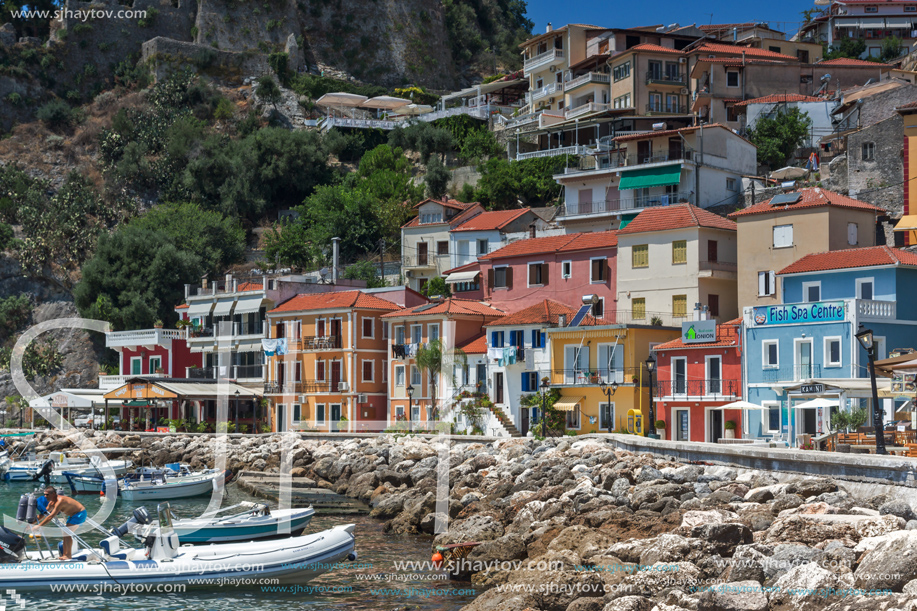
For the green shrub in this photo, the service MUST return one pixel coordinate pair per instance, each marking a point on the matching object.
(56, 114)
(6, 235)
(147, 21)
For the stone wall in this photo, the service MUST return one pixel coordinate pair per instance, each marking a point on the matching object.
(164, 55)
(878, 181)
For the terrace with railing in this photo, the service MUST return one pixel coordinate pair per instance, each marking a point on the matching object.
(564, 150)
(591, 77)
(304, 386)
(594, 376)
(657, 77)
(542, 59)
(584, 109)
(686, 389)
(664, 108)
(547, 90)
(624, 204)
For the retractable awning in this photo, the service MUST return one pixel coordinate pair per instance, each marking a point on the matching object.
(900, 22)
(567, 404)
(200, 310)
(462, 277)
(660, 176)
(249, 347)
(907, 223)
(223, 307)
(248, 305)
(872, 22)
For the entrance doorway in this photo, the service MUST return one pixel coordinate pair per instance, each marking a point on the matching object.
(525, 421)
(716, 426)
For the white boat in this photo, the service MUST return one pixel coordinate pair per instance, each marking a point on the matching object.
(53, 467)
(255, 521)
(165, 560)
(164, 488)
(94, 484)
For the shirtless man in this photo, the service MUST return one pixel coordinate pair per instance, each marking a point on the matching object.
(67, 506)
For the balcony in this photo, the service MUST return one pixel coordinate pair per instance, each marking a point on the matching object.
(696, 389)
(320, 342)
(524, 120)
(666, 109)
(655, 77)
(107, 382)
(330, 122)
(564, 150)
(793, 373)
(868, 308)
(624, 205)
(547, 90)
(584, 109)
(230, 372)
(605, 160)
(592, 77)
(247, 372)
(305, 386)
(594, 376)
(542, 60)
(142, 337)
(237, 329)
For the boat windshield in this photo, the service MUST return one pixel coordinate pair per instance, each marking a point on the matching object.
(165, 517)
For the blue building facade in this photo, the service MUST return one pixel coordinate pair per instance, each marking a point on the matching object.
(805, 348)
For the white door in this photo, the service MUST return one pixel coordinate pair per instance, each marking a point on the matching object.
(611, 363)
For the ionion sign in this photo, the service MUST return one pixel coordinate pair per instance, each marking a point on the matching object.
(698, 331)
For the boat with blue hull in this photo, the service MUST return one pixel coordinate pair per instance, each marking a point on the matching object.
(247, 522)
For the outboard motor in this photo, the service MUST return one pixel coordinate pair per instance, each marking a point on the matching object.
(141, 517)
(45, 472)
(22, 510)
(12, 547)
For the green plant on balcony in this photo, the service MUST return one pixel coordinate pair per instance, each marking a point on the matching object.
(157, 324)
(729, 425)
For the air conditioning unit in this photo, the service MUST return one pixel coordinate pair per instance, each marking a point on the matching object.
(362, 399)
(343, 387)
(682, 60)
(302, 398)
(553, 68)
(684, 91)
(408, 273)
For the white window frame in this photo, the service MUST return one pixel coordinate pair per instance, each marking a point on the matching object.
(856, 231)
(400, 375)
(673, 425)
(805, 291)
(324, 377)
(603, 426)
(707, 376)
(528, 274)
(770, 280)
(782, 245)
(766, 417)
(384, 372)
(384, 329)
(859, 286)
(401, 334)
(418, 334)
(827, 356)
(564, 265)
(797, 342)
(399, 411)
(607, 272)
(871, 148)
(372, 370)
(293, 417)
(417, 385)
(579, 419)
(672, 373)
(149, 364)
(486, 246)
(131, 365)
(372, 327)
(415, 413)
(731, 184)
(764, 351)
(430, 327)
(321, 409)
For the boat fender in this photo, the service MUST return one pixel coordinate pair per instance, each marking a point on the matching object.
(32, 510)
(352, 556)
(23, 508)
(12, 547)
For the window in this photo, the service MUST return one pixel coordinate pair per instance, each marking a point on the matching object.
(136, 366)
(297, 372)
(869, 151)
(573, 418)
(783, 236)
(621, 72)
(297, 412)
(802, 55)
(384, 372)
(501, 277)
(415, 377)
(771, 422)
(566, 269)
(872, 9)
(368, 327)
(538, 274)
(416, 334)
(655, 102)
(769, 356)
(641, 256)
(432, 332)
(399, 334)
(910, 9)
(529, 381)
(679, 252)
(852, 234)
(638, 305)
(713, 302)
(679, 376)
(399, 375)
(679, 305)
(865, 288)
(384, 330)
(442, 248)
(811, 292)
(599, 267)
(368, 373)
(496, 339)
(320, 371)
(730, 184)
(538, 339)
(732, 78)
(713, 251)
(682, 424)
(319, 412)
(155, 363)
(598, 308)
(399, 412)
(622, 101)
(714, 375)
(482, 247)
(832, 352)
(606, 416)
(767, 283)
(775, 49)
(464, 287)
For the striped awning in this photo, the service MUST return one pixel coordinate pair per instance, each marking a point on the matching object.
(199, 310)
(567, 404)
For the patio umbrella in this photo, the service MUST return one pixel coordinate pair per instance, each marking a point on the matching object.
(341, 99)
(819, 403)
(385, 102)
(740, 405)
(415, 109)
(789, 173)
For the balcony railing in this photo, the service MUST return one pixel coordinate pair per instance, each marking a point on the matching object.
(248, 371)
(698, 388)
(305, 386)
(321, 342)
(330, 122)
(718, 266)
(592, 77)
(613, 159)
(572, 113)
(793, 373)
(542, 59)
(594, 376)
(547, 90)
(142, 337)
(667, 109)
(876, 309)
(109, 382)
(236, 329)
(428, 261)
(524, 120)
(624, 204)
(661, 78)
(564, 150)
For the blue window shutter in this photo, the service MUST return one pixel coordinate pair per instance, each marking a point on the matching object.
(543, 344)
(512, 338)
(525, 381)
(534, 336)
(493, 339)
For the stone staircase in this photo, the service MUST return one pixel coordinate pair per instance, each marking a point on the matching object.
(505, 421)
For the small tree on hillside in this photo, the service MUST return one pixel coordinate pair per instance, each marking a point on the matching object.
(437, 178)
(891, 50)
(268, 90)
(777, 137)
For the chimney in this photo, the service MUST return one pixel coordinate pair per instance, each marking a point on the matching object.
(227, 283)
(334, 259)
(532, 230)
(549, 28)
(204, 283)
(235, 285)
(187, 291)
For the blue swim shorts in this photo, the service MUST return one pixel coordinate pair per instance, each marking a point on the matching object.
(77, 518)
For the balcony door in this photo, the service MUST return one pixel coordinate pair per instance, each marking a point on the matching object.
(675, 148)
(335, 375)
(422, 253)
(585, 201)
(611, 363)
(281, 375)
(803, 360)
(576, 364)
(612, 198)
(655, 70)
(714, 375)
(645, 147)
(679, 376)
(498, 387)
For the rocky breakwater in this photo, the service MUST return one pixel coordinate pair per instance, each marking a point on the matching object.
(578, 525)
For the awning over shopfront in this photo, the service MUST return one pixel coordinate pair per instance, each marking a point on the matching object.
(248, 305)
(567, 404)
(660, 176)
(462, 277)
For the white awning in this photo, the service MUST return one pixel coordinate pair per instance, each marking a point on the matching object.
(462, 277)
(872, 22)
(248, 347)
(223, 307)
(341, 99)
(200, 310)
(900, 22)
(248, 305)
(385, 102)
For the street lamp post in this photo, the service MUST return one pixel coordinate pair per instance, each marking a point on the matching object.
(410, 390)
(545, 387)
(864, 336)
(650, 367)
(609, 390)
(237, 411)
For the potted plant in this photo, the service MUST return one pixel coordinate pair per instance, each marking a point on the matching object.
(660, 428)
(730, 427)
(157, 324)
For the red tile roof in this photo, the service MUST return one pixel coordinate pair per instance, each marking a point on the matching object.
(249, 286)
(782, 97)
(850, 258)
(182, 306)
(334, 301)
(669, 132)
(554, 244)
(496, 219)
(470, 211)
(908, 106)
(716, 48)
(726, 335)
(737, 61)
(654, 48)
(545, 313)
(678, 216)
(812, 197)
(463, 268)
(450, 306)
(716, 27)
(448, 203)
(476, 345)
(849, 61)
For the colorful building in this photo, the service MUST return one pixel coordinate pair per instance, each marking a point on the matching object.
(697, 376)
(908, 223)
(333, 374)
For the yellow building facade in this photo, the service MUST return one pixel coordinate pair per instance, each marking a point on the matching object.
(582, 358)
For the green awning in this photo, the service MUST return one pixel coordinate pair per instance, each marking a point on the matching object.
(660, 176)
(137, 404)
(626, 219)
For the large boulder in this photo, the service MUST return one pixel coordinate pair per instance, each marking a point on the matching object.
(890, 564)
(808, 587)
(733, 596)
(478, 527)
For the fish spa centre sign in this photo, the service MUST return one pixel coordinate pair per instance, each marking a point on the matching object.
(820, 311)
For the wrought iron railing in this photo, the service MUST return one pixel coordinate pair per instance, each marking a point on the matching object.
(698, 388)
